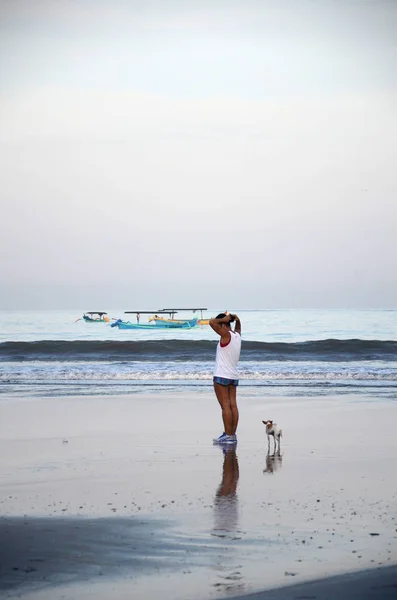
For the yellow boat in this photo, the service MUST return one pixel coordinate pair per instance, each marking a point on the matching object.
(205, 321)
(172, 312)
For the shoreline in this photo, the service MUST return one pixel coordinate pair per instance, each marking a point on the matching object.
(372, 584)
(154, 505)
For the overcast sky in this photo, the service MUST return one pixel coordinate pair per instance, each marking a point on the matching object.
(238, 153)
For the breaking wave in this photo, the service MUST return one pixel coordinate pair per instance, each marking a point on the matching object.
(332, 350)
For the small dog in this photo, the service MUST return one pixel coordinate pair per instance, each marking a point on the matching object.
(274, 430)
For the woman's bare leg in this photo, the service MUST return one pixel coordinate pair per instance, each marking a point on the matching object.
(233, 407)
(222, 394)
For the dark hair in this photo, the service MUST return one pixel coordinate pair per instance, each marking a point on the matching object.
(222, 315)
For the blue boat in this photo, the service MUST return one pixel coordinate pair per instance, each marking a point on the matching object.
(128, 325)
(94, 317)
(156, 326)
(174, 323)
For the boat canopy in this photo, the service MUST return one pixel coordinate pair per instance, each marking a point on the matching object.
(148, 312)
(177, 309)
(95, 312)
(173, 311)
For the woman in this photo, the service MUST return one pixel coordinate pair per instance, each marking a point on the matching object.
(226, 374)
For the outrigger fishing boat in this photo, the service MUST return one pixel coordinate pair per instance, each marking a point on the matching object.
(173, 311)
(159, 322)
(128, 325)
(94, 317)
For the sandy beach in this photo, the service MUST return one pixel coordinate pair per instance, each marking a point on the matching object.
(126, 497)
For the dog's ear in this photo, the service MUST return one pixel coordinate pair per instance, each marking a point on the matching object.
(264, 422)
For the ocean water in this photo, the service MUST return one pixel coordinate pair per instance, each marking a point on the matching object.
(289, 352)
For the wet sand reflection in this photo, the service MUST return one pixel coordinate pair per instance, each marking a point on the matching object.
(273, 462)
(229, 578)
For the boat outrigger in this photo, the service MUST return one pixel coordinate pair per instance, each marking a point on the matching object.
(94, 317)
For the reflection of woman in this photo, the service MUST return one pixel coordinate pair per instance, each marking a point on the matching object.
(229, 579)
(225, 503)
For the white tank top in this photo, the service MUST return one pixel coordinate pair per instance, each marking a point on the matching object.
(227, 357)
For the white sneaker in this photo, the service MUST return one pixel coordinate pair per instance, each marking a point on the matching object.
(229, 439)
(219, 439)
(225, 439)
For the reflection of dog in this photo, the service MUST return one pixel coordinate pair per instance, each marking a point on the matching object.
(272, 429)
(273, 462)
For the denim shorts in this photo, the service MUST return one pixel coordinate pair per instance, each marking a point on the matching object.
(225, 381)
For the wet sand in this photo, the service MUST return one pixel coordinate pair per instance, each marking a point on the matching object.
(121, 497)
